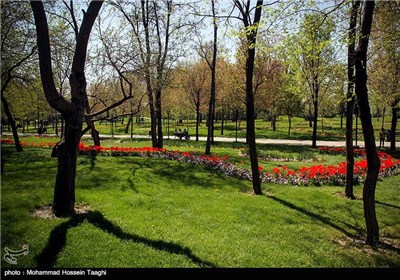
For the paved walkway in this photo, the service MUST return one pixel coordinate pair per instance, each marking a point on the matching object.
(228, 139)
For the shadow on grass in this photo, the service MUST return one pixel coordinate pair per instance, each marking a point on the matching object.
(387, 204)
(92, 161)
(190, 175)
(316, 217)
(57, 240)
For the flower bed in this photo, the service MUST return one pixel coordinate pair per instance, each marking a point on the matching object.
(315, 175)
(208, 162)
(25, 144)
(273, 156)
(332, 175)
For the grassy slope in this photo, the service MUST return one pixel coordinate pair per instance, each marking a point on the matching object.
(158, 213)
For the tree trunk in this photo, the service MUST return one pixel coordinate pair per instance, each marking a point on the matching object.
(310, 121)
(153, 119)
(160, 140)
(93, 131)
(350, 101)
(349, 149)
(211, 106)
(67, 153)
(250, 112)
(367, 127)
(315, 122)
(393, 128)
(222, 122)
(341, 121)
(131, 118)
(147, 63)
(236, 124)
(95, 134)
(72, 111)
(273, 122)
(11, 121)
(198, 116)
(290, 125)
(10, 117)
(128, 125)
(322, 123)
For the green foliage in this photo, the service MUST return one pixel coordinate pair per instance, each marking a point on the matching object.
(384, 65)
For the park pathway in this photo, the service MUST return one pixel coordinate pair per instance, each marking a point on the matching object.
(227, 139)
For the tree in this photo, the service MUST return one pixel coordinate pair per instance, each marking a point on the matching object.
(268, 75)
(289, 101)
(350, 99)
(250, 30)
(235, 92)
(117, 78)
(122, 95)
(367, 127)
(17, 51)
(156, 26)
(72, 111)
(268, 88)
(27, 101)
(193, 81)
(62, 31)
(385, 60)
(315, 58)
(212, 64)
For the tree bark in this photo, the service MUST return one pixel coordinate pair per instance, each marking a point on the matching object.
(73, 112)
(315, 124)
(147, 62)
(11, 121)
(393, 128)
(350, 101)
(250, 112)
(160, 136)
(273, 122)
(6, 78)
(222, 121)
(341, 121)
(93, 131)
(211, 105)
(198, 119)
(128, 125)
(315, 104)
(367, 127)
(310, 121)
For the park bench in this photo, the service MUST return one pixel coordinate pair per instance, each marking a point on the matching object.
(396, 134)
(41, 130)
(185, 135)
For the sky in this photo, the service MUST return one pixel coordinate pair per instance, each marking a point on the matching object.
(226, 38)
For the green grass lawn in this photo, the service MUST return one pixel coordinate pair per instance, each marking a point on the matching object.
(146, 212)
